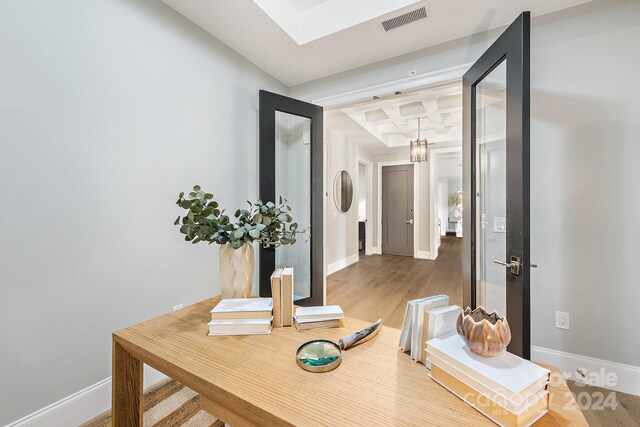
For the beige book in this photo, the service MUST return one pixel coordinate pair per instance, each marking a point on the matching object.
(243, 308)
(322, 324)
(287, 296)
(276, 293)
(506, 374)
(488, 407)
(519, 403)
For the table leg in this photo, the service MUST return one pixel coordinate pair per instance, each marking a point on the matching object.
(126, 394)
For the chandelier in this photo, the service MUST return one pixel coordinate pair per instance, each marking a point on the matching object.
(418, 148)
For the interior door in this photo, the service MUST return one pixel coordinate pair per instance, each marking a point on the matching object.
(291, 166)
(397, 210)
(496, 182)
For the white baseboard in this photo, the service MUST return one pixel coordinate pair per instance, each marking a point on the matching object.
(602, 373)
(82, 405)
(376, 250)
(424, 255)
(343, 263)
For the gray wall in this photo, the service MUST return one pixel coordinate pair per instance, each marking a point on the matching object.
(107, 110)
(585, 88)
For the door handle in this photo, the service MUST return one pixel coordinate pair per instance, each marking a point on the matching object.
(513, 266)
(409, 221)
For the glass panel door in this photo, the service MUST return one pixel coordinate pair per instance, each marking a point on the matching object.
(292, 166)
(293, 182)
(491, 186)
(495, 149)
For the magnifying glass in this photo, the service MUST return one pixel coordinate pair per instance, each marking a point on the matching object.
(325, 356)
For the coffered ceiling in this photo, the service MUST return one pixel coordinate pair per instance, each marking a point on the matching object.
(391, 122)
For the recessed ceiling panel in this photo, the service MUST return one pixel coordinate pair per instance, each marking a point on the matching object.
(412, 109)
(375, 115)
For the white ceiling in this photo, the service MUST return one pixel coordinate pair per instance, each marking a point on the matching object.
(301, 40)
(304, 5)
(391, 122)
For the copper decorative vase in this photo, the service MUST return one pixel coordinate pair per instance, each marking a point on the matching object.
(486, 334)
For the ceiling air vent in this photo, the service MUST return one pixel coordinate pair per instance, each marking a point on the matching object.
(404, 19)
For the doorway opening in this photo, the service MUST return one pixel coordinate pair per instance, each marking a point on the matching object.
(387, 240)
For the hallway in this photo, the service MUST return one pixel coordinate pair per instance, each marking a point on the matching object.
(378, 286)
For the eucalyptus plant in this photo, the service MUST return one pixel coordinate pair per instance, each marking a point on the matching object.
(267, 223)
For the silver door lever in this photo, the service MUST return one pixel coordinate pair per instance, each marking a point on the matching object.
(513, 266)
(409, 221)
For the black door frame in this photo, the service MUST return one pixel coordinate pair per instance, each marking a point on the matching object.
(270, 103)
(513, 46)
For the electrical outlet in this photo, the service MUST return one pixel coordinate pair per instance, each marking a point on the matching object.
(177, 307)
(562, 320)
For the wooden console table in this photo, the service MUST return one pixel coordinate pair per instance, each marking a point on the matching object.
(254, 380)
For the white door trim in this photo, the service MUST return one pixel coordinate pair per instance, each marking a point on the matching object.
(389, 88)
(433, 170)
(368, 164)
(416, 204)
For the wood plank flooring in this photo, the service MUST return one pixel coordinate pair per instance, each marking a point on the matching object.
(379, 286)
(602, 407)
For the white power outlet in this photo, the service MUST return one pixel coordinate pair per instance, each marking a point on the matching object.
(562, 320)
(177, 307)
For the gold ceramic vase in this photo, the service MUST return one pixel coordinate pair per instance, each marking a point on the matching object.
(486, 334)
(236, 271)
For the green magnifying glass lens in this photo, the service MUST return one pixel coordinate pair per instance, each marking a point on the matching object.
(315, 354)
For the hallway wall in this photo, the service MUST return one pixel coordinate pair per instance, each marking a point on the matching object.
(108, 109)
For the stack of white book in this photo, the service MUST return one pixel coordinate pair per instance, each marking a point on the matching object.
(328, 316)
(242, 316)
(424, 319)
(509, 390)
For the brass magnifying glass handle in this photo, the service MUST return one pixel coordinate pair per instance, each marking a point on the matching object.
(358, 337)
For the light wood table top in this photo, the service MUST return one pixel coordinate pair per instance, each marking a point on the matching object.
(254, 380)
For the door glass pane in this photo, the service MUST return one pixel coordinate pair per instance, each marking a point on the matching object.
(293, 182)
(491, 188)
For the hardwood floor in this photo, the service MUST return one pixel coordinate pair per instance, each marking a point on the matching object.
(602, 407)
(379, 286)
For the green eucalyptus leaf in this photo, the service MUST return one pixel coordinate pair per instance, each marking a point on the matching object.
(177, 221)
(254, 233)
(238, 233)
(196, 188)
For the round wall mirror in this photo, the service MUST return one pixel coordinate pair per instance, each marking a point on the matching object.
(343, 191)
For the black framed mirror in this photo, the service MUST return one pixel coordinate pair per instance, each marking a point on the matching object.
(291, 165)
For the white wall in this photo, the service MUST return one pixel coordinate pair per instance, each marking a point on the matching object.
(363, 187)
(585, 88)
(342, 227)
(107, 110)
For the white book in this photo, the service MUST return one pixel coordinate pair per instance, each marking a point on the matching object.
(315, 314)
(517, 406)
(437, 322)
(418, 320)
(506, 374)
(240, 326)
(407, 324)
(235, 305)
